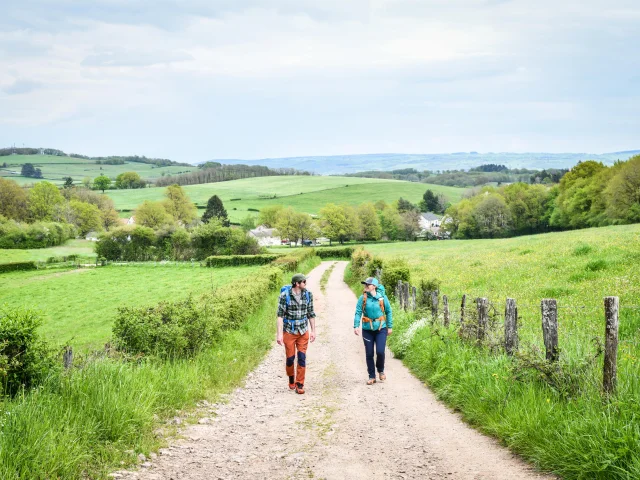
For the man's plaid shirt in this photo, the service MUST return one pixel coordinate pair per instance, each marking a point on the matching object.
(296, 315)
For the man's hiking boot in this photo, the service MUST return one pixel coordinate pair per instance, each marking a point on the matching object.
(292, 385)
(383, 377)
(371, 381)
(299, 388)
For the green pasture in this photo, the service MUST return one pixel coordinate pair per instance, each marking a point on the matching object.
(55, 168)
(304, 193)
(79, 305)
(83, 248)
(555, 416)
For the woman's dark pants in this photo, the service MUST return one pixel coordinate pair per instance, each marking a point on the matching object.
(379, 339)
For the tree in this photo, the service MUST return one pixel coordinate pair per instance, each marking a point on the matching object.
(129, 180)
(68, 182)
(492, 216)
(28, 170)
(215, 209)
(179, 205)
(152, 215)
(369, 222)
(410, 224)
(269, 215)
(623, 192)
(405, 205)
(295, 225)
(86, 216)
(101, 182)
(13, 200)
(43, 198)
(339, 222)
(430, 202)
(391, 223)
(86, 182)
(577, 191)
(248, 223)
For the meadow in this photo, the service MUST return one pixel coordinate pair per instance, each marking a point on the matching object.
(79, 305)
(55, 169)
(304, 193)
(554, 415)
(82, 248)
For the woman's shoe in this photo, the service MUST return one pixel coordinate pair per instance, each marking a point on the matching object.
(371, 381)
(383, 377)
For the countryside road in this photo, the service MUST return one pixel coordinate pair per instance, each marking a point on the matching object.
(340, 428)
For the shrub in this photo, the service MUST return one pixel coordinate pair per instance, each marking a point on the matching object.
(25, 359)
(375, 264)
(17, 266)
(394, 270)
(167, 329)
(359, 260)
(34, 235)
(238, 260)
(426, 287)
(180, 329)
(341, 252)
(292, 261)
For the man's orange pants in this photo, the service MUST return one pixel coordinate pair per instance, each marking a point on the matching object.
(293, 342)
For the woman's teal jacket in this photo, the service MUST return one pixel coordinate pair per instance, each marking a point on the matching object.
(373, 310)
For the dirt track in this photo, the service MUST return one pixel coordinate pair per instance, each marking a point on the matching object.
(341, 428)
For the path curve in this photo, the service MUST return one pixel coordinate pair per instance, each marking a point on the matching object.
(341, 428)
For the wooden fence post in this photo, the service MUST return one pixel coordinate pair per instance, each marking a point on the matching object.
(609, 379)
(445, 310)
(482, 305)
(463, 304)
(399, 295)
(407, 287)
(511, 327)
(549, 308)
(413, 298)
(434, 306)
(378, 274)
(67, 358)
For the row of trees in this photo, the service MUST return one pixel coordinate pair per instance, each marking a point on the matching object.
(481, 175)
(589, 195)
(44, 202)
(211, 172)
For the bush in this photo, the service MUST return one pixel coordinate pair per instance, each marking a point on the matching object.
(394, 270)
(375, 264)
(341, 252)
(359, 261)
(180, 329)
(426, 287)
(239, 260)
(167, 329)
(25, 359)
(34, 235)
(17, 266)
(292, 261)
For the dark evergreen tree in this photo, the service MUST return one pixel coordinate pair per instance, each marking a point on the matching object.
(28, 170)
(68, 182)
(431, 202)
(215, 209)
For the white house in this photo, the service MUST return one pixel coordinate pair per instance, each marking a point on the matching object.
(430, 223)
(265, 236)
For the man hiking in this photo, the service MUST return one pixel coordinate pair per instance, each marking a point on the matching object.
(295, 315)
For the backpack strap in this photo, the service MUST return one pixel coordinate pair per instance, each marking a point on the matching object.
(368, 320)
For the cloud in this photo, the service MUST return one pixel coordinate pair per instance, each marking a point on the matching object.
(121, 57)
(22, 86)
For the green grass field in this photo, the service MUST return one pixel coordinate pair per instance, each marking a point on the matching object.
(79, 306)
(304, 193)
(55, 168)
(559, 420)
(83, 248)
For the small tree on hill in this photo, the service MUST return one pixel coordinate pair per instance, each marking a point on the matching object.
(68, 182)
(215, 209)
(28, 170)
(101, 182)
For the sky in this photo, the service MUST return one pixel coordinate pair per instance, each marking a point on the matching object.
(193, 80)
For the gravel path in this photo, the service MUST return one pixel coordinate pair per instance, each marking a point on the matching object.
(340, 428)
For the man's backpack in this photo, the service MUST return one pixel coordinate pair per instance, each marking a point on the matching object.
(287, 288)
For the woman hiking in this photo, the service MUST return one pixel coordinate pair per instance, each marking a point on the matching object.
(377, 322)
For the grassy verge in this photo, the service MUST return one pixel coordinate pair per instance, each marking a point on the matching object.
(325, 277)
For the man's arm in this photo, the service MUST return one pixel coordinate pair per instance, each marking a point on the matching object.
(279, 337)
(311, 315)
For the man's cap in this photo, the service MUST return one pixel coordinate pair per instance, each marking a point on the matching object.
(371, 281)
(298, 277)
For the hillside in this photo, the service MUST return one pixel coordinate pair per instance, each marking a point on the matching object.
(55, 168)
(341, 164)
(307, 194)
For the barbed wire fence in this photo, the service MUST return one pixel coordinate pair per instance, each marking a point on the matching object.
(584, 331)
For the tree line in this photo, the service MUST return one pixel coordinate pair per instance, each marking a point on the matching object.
(212, 172)
(481, 175)
(589, 195)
